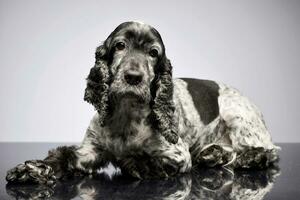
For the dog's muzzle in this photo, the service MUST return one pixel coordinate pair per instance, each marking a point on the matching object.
(133, 77)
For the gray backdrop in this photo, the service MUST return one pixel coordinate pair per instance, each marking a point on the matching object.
(47, 48)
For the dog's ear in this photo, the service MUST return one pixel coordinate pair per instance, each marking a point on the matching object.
(96, 91)
(163, 105)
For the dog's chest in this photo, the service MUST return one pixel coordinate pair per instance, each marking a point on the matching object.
(129, 130)
(129, 144)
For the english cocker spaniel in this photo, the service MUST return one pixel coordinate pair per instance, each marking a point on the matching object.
(151, 125)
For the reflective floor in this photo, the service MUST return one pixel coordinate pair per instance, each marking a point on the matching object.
(281, 182)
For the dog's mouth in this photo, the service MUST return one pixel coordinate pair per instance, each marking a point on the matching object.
(133, 95)
(139, 96)
(121, 90)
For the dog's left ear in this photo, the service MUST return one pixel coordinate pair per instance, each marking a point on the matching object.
(163, 105)
(96, 91)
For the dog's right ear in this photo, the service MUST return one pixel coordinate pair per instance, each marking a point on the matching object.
(96, 92)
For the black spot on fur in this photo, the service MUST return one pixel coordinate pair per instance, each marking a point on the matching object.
(205, 95)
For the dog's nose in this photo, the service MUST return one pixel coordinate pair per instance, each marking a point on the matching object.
(133, 77)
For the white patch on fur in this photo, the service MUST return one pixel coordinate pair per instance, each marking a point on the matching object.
(86, 152)
(189, 122)
(244, 120)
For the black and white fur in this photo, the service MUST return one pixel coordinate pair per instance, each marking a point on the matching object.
(151, 125)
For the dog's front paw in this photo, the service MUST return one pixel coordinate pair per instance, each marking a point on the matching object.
(35, 171)
(147, 168)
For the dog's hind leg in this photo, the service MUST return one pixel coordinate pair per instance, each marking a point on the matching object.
(246, 130)
(213, 147)
(233, 145)
(256, 157)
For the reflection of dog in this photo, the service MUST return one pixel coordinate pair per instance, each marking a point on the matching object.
(151, 125)
(213, 183)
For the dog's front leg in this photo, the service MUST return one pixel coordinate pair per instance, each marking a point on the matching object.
(142, 166)
(157, 160)
(174, 158)
(90, 155)
(61, 162)
(58, 162)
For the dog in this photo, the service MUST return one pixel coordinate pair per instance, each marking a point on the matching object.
(151, 125)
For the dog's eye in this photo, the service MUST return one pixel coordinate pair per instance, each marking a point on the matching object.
(153, 53)
(120, 46)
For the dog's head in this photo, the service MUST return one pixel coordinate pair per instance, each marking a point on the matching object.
(131, 63)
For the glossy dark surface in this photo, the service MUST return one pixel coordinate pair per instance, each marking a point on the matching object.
(273, 183)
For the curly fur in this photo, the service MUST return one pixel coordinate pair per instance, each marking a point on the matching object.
(163, 105)
(151, 125)
(97, 88)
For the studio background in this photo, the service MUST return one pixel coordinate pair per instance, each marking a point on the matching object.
(47, 49)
